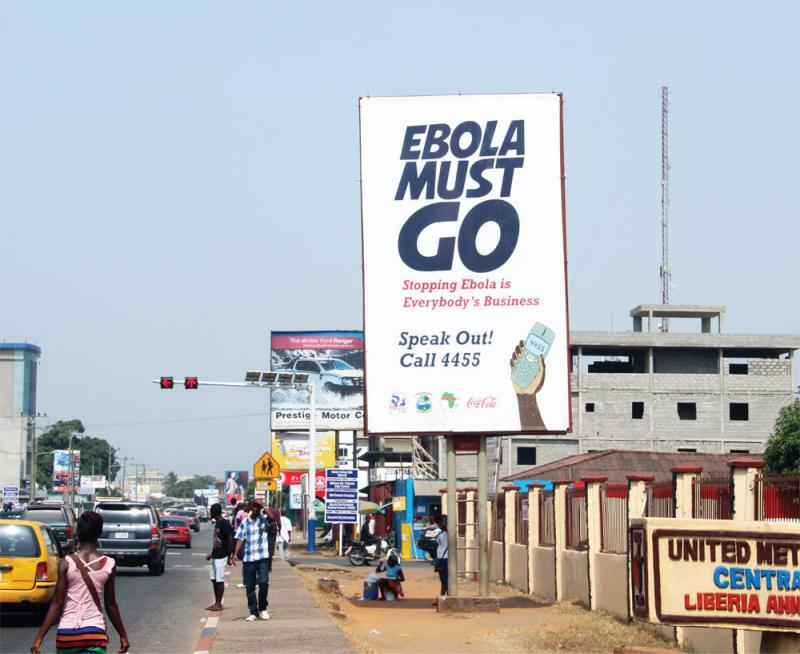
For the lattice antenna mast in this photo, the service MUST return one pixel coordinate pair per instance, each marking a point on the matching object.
(666, 272)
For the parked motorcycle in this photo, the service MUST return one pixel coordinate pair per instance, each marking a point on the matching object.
(365, 552)
(427, 542)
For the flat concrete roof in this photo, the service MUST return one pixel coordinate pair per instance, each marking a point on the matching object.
(678, 311)
(781, 342)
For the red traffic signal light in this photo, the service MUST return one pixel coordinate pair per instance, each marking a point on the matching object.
(166, 382)
(190, 383)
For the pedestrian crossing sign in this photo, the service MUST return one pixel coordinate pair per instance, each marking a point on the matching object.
(266, 467)
(266, 484)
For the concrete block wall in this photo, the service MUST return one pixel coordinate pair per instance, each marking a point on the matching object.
(547, 449)
(596, 579)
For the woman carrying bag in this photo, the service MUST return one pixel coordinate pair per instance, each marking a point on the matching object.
(82, 578)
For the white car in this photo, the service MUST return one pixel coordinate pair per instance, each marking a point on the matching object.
(332, 375)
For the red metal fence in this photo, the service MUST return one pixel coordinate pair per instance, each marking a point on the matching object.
(521, 522)
(778, 497)
(577, 530)
(712, 498)
(547, 519)
(660, 500)
(614, 518)
(499, 518)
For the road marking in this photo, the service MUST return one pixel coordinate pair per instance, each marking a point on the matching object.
(196, 554)
(211, 623)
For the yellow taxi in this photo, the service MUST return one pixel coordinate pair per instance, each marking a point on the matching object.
(29, 556)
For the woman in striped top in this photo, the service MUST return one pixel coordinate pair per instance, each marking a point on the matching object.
(82, 578)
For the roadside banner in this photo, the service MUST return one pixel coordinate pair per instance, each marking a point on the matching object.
(465, 291)
(291, 450)
(341, 495)
(334, 361)
(236, 482)
(61, 469)
(11, 495)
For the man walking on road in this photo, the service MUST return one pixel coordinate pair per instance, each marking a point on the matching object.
(221, 554)
(253, 533)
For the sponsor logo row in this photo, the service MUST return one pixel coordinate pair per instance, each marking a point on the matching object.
(424, 402)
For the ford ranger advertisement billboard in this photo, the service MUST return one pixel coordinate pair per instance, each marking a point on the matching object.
(334, 362)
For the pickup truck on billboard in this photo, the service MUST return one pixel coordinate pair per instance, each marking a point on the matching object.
(332, 375)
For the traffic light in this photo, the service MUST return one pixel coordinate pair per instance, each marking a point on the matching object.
(190, 383)
(166, 382)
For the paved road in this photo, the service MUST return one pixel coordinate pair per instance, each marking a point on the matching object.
(161, 614)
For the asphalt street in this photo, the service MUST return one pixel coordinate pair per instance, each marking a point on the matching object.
(161, 614)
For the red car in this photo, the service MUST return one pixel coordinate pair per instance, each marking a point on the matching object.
(176, 530)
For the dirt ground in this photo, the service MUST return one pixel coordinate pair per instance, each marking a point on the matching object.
(524, 624)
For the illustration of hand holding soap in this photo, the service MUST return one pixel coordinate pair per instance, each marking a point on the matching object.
(528, 373)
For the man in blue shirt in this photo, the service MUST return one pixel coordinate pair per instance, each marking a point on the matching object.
(252, 533)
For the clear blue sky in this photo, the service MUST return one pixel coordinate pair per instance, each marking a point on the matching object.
(179, 178)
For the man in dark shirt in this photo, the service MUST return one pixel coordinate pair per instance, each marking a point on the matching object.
(273, 526)
(220, 556)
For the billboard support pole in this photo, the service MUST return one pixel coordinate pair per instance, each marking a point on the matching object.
(483, 521)
(452, 520)
(312, 469)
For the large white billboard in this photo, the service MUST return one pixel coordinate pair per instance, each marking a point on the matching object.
(465, 295)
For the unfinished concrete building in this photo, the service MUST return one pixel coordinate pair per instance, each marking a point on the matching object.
(673, 391)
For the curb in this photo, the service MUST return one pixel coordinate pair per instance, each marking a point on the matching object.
(206, 640)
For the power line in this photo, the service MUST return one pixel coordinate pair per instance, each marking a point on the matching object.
(173, 421)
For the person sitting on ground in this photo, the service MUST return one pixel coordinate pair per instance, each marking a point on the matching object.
(394, 577)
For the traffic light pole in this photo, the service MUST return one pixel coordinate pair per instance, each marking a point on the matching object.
(282, 380)
(312, 470)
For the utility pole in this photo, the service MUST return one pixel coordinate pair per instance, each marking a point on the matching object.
(34, 453)
(124, 470)
(666, 272)
(70, 476)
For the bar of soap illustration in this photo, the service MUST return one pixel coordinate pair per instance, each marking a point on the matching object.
(537, 344)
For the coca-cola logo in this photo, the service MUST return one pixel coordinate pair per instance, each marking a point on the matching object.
(482, 402)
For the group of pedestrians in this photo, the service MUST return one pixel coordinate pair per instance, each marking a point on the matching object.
(87, 576)
(251, 539)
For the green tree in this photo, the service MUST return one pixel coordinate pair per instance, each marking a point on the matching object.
(185, 488)
(170, 479)
(783, 447)
(96, 453)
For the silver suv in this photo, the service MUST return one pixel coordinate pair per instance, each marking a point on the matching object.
(132, 535)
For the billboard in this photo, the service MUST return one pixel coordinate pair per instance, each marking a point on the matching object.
(61, 469)
(291, 450)
(334, 361)
(465, 292)
(236, 482)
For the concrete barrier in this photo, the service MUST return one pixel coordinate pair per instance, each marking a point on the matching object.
(608, 593)
(497, 564)
(574, 576)
(518, 566)
(543, 572)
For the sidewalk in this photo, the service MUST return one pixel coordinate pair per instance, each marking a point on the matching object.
(296, 624)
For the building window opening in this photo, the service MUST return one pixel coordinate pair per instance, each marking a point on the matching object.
(590, 407)
(687, 411)
(526, 456)
(619, 361)
(740, 451)
(688, 450)
(739, 411)
(737, 366)
(637, 410)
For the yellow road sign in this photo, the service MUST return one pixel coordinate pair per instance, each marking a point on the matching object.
(266, 467)
(266, 484)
